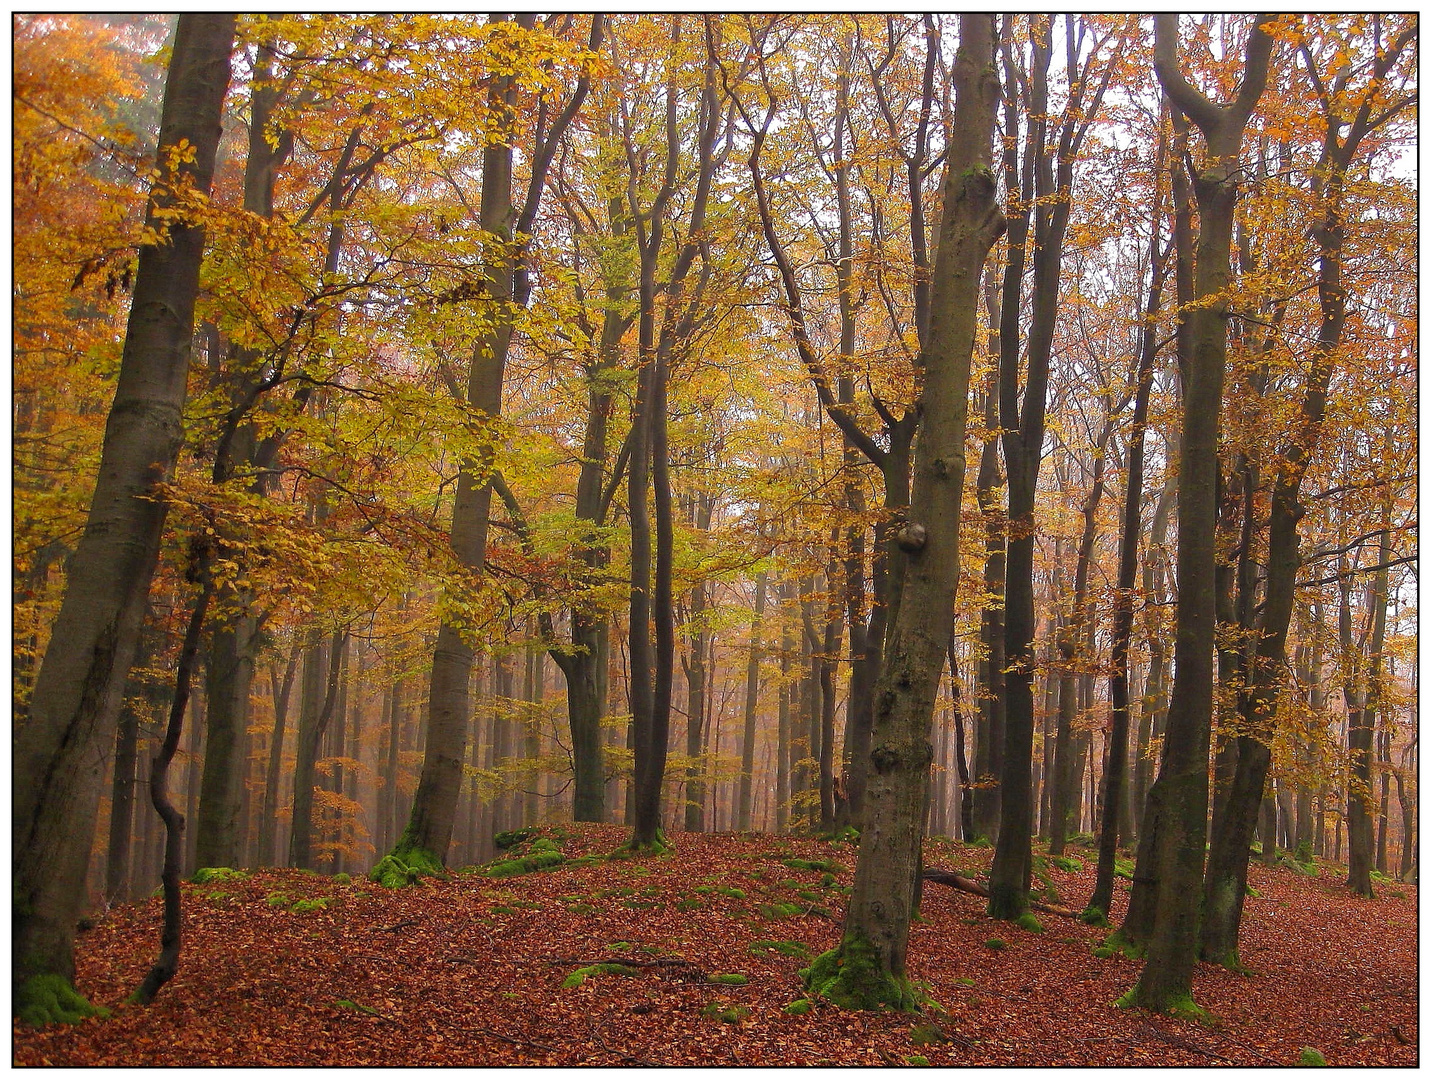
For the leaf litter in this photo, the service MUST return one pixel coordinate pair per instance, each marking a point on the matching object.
(471, 971)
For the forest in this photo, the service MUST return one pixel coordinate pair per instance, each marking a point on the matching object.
(773, 539)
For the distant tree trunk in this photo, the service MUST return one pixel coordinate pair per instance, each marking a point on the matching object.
(1047, 174)
(698, 642)
(1362, 689)
(989, 724)
(268, 821)
(1114, 788)
(752, 690)
(867, 970)
(311, 728)
(966, 787)
(784, 733)
(1176, 821)
(121, 813)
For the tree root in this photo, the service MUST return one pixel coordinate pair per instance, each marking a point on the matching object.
(963, 884)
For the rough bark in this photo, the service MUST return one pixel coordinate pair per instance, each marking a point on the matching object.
(58, 756)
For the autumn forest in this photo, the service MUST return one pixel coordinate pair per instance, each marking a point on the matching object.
(715, 539)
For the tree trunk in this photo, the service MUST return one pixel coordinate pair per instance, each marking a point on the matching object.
(311, 727)
(1176, 821)
(74, 707)
(752, 690)
(121, 806)
(867, 970)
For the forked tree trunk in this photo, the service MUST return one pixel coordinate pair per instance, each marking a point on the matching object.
(1170, 860)
(61, 745)
(867, 970)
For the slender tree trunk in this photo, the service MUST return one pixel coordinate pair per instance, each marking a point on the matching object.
(311, 729)
(121, 813)
(752, 690)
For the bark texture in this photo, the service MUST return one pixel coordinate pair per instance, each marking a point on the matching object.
(59, 752)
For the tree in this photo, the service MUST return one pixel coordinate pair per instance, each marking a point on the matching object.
(77, 694)
(1170, 859)
(867, 969)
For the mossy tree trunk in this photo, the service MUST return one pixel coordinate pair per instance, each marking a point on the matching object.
(868, 967)
(1170, 863)
(61, 745)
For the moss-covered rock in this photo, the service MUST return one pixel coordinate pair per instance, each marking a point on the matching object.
(733, 978)
(342, 879)
(527, 864)
(828, 866)
(726, 1014)
(512, 837)
(1311, 1056)
(1066, 863)
(927, 1035)
(997, 944)
(798, 1007)
(317, 903)
(50, 999)
(851, 977)
(917, 1061)
(206, 874)
(1029, 921)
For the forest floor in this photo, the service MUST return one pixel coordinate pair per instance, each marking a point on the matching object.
(470, 971)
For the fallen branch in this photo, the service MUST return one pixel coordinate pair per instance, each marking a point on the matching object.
(634, 961)
(514, 1040)
(963, 884)
(395, 927)
(596, 1034)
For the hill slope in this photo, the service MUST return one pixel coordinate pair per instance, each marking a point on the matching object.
(471, 971)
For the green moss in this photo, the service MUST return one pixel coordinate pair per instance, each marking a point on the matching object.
(1118, 945)
(317, 903)
(810, 896)
(731, 979)
(851, 977)
(580, 975)
(1103, 952)
(527, 864)
(785, 948)
(405, 865)
(996, 944)
(927, 1035)
(780, 911)
(964, 982)
(1123, 868)
(544, 844)
(798, 1007)
(50, 999)
(513, 837)
(581, 909)
(917, 1060)
(828, 866)
(342, 879)
(1253, 893)
(206, 874)
(353, 1006)
(1093, 916)
(1181, 1006)
(726, 1014)
(1311, 1056)
(733, 893)
(633, 850)
(278, 899)
(688, 905)
(1029, 921)
(704, 889)
(1066, 863)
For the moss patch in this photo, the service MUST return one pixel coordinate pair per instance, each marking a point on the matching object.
(997, 944)
(512, 837)
(342, 879)
(50, 999)
(917, 1060)
(317, 903)
(527, 864)
(1311, 1056)
(1181, 1006)
(1029, 921)
(927, 1035)
(726, 1014)
(798, 1007)
(1066, 863)
(732, 979)
(580, 975)
(780, 911)
(206, 874)
(1118, 945)
(1093, 916)
(851, 977)
(405, 865)
(796, 949)
(828, 866)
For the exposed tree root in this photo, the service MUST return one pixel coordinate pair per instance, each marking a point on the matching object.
(963, 884)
